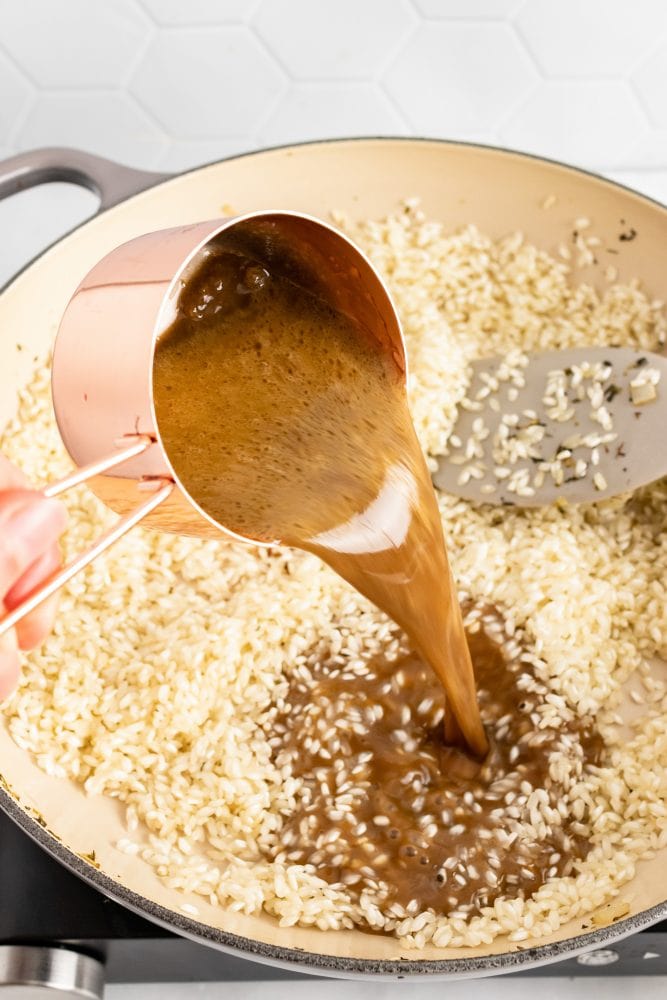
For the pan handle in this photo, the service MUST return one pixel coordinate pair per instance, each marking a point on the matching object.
(112, 182)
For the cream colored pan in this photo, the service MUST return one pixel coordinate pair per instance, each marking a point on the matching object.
(499, 191)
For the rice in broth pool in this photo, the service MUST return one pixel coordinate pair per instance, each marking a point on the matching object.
(174, 660)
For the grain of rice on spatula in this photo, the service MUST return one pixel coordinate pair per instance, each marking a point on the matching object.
(576, 425)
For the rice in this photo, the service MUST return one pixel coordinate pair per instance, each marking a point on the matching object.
(171, 656)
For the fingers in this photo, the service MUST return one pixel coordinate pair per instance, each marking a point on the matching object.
(36, 626)
(29, 528)
(29, 525)
(9, 664)
(10, 476)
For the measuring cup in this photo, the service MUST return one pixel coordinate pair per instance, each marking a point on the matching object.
(102, 375)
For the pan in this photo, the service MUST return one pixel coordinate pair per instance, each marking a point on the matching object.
(498, 190)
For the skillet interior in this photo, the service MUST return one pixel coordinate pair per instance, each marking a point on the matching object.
(500, 192)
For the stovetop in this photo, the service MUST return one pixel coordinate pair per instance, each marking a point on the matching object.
(43, 903)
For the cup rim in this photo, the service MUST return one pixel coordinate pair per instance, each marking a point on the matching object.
(167, 302)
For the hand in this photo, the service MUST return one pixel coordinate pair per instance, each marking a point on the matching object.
(29, 528)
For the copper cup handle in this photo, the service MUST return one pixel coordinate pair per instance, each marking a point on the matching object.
(159, 491)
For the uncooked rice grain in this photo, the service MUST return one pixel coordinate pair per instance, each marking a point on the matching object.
(169, 654)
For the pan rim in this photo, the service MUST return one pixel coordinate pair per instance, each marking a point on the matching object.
(297, 959)
(315, 963)
(403, 139)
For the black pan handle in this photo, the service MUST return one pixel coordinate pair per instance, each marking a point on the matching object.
(112, 182)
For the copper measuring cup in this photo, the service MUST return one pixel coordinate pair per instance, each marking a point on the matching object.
(103, 362)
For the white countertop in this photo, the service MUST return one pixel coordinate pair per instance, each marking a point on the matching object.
(552, 988)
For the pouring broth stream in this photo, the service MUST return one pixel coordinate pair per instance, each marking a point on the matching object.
(288, 423)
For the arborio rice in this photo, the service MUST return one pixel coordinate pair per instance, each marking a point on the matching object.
(170, 655)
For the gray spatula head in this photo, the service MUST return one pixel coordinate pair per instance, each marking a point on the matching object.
(578, 425)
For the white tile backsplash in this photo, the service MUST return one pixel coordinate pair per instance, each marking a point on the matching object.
(205, 82)
(467, 8)
(109, 123)
(648, 182)
(15, 95)
(650, 79)
(589, 39)
(174, 82)
(73, 43)
(342, 40)
(178, 12)
(453, 77)
(184, 154)
(332, 110)
(587, 122)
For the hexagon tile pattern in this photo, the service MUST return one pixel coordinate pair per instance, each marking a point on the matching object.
(172, 83)
(62, 45)
(608, 38)
(176, 12)
(14, 96)
(207, 81)
(458, 76)
(468, 9)
(651, 82)
(103, 122)
(346, 40)
(577, 121)
(332, 111)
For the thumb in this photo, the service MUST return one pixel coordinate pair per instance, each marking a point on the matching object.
(29, 524)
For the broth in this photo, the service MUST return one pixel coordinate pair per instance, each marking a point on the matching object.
(287, 423)
(387, 809)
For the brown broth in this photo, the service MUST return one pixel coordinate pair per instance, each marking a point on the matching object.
(386, 808)
(287, 424)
